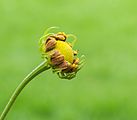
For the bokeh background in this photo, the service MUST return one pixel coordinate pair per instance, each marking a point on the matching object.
(105, 89)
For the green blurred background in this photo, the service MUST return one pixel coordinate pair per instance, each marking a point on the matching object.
(105, 89)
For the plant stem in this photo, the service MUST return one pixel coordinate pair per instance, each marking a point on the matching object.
(39, 69)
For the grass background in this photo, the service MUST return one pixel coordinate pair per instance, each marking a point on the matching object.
(105, 89)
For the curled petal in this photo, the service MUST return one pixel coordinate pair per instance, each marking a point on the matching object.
(50, 38)
(68, 69)
(76, 61)
(63, 65)
(75, 53)
(55, 54)
(50, 45)
(61, 37)
(74, 67)
(57, 60)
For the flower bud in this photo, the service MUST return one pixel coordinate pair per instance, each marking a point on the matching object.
(62, 58)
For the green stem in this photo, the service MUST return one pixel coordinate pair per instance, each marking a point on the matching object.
(39, 69)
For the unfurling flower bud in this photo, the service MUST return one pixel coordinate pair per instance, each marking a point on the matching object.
(60, 55)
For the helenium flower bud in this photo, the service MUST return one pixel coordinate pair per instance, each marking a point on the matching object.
(61, 57)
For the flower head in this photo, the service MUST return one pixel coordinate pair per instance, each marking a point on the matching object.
(60, 55)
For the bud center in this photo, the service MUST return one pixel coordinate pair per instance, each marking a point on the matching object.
(65, 49)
